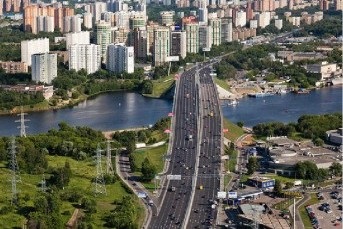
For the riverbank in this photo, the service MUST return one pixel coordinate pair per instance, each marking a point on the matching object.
(61, 104)
(234, 90)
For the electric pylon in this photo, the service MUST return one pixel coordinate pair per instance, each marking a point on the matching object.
(100, 187)
(15, 178)
(43, 184)
(22, 121)
(109, 167)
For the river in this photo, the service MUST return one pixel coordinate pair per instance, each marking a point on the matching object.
(122, 110)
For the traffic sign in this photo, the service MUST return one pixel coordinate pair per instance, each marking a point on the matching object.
(221, 195)
(174, 177)
(232, 195)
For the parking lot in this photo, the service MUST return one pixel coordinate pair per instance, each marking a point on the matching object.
(329, 219)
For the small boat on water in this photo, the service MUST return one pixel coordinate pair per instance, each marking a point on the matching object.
(260, 94)
(232, 103)
(301, 91)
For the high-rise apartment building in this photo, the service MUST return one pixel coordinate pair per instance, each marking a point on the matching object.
(75, 24)
(205, 37)
(167, 18)
(161, 45)
(192, 37)
(85, 57)
(240, 19)
(178, 43)
(203, 16)
(140, 42)
(103, 37)
(87, 20)
(79, 38)
(136, 22)
(31, 13)
(216, 26)
(96, 9)
(30, 47)
(120, 58)
(226, 30)
(338, 4)
(122, 19)
(44, 67)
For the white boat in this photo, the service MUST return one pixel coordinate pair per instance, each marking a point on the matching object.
(232, 103)
(337, 81)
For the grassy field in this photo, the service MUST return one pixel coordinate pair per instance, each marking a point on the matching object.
(155, 155)
(82, 173)
(234, 130)
(227, 178)
(222, 83)
(160, 86)
(303, 213)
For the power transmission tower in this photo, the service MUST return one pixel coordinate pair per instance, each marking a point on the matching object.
(100, 187)
(109, 166)
(15, 178)
(43, 184)
(22, 121)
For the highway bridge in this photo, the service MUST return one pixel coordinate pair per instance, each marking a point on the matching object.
(195, 155)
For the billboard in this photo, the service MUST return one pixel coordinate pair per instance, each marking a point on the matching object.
(221, 195)
(232, 195)
(172, 58)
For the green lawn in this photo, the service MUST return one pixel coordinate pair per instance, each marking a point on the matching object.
(82, 173)
(222, 83)
(303, 213)
(227, 178)
(234, 130)
(160, 86)
(155, 155)
(233, 161)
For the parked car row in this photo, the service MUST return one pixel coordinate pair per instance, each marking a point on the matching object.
(313, 217)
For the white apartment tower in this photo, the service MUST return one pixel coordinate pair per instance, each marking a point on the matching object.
(80, 38)
(30, 47)
(241, 19)
(44, 67)
(75, 24)
(216, 26)
(96, 9)
(84, 56)
(192, 37)
(120, 58)
(161, 45)
(87, 20)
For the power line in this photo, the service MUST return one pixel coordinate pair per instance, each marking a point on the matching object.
(100, 187)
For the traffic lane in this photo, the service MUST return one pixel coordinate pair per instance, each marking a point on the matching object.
(173, 168)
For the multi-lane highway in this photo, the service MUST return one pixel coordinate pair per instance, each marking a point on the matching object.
(195, 155)
(204, 208)
(175, 197)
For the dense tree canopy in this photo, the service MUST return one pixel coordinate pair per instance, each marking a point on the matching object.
(310, 126)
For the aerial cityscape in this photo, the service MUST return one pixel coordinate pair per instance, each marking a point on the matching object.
(166, 114)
